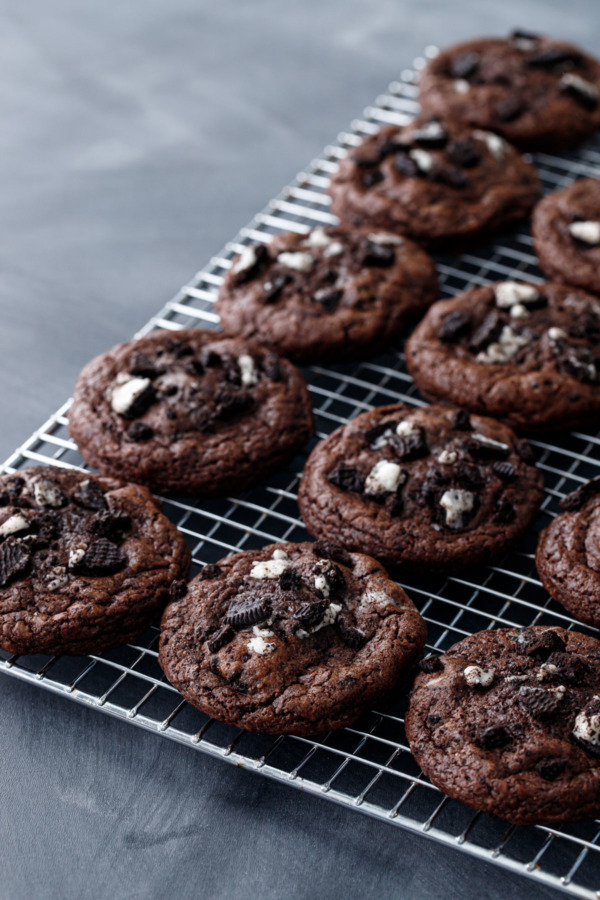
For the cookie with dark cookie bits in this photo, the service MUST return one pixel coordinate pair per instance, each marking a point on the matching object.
(86, 562)
(568, 554)
(313, 661)
(199, 414)
(420, 488)
(441, 192)
(330, 294)
(539, 93)
(529, 355)
(505, 732)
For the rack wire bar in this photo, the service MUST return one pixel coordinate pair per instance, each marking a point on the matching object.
(367, 767)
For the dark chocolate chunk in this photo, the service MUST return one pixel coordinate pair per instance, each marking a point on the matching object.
(272, 367)
(261, 254)
(139, 431)
(431, 664)
(290, 580)
(349, 633)
(219, 638)
(464, 65)
(487, 332)
(90, 495)
(453, 326)
(525, 451)
(378, 255)
(178, 589)
(580, 497)
(550, 769)
(541, 645)
(462, 421)
(509, 108)
(552, 57)
(14, 558)
(310, 613)
(372, 177)
(505, 470)
(494, 738)
(247, 611)
(347, 478)
(409, 446)
(273, 288)
(540, 703)
(431, 134)
(405, 165)
(464, 153)
(101, 558)
(143, 367)
(210, 571)
(505, 512)
(327, 550)
(328, 298)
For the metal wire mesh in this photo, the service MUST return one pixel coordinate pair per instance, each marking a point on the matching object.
(368, 766)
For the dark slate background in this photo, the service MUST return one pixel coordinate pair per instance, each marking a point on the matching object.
(136, 139)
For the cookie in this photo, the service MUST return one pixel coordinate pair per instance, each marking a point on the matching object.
(541, 94)
(190, 412)
(568, 554)
(290, 639)
(436, 181)
(508, 721)
(329, 295)
(86, 562)
(566, 233)
(421, 488)
(527, 354)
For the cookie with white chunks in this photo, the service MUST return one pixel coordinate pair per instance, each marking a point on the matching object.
(526, 354)
(421, 487)
(86, 562)
(508, 721)
(190, 412)
(566, 233)
(568, 554)
(290, 639)
(327, 295)
(540, 93)
(434, 180)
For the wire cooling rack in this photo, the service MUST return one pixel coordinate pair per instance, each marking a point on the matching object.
(367, 767)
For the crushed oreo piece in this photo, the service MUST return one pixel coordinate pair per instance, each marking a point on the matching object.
(372, 177)
(432, 134)
(260, 256)
(509, 108)
(464, 65)
(409, 446)
(482, 447)
(487, 332)
(448, 175)
(405, 165)
(101, 558)
(464, 153)
(210, 571)
(332, 577)
(111, 525)
(552, 57)
(431, 664)
(10, 490)
(494, 738)
(139, 431)
(273, 288)
(584, 92)
(373, 434)
(180, 349)
(378, 255)
(231, 403)
(351, 635)
(580, 497)
(220, 638)
(453, 326)
(178, 589)
(141, 403)
(249, 611)
(211, 359)
(525, 451)
(290, 580)
(572, 668)
(550, 769)
(581, 363)
(327, 550)
(311, 613)
(14, 559)
(90, 495)
(142, 366)
(462, 421)
(329, 298)
(540, 703)
(347, 478)
(504, 470)
(272, 367)
(541, 645)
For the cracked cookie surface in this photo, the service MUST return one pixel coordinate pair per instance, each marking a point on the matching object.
(421, 487)
(508, 721)
(191, 412)
(86, 562)
(290, 639)
(329, 294)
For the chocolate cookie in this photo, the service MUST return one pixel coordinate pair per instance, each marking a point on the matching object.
(290, 639)
(566, 232)
(527, 354)
(539, 93)
(436, 181)
(508, 721)
(328, 295)
(421, 487)
(568, 554)
(190, 412)
(86, 562)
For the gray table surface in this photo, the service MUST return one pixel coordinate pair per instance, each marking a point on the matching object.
(136, 139)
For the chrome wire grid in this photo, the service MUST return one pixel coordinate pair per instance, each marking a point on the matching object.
(368, 766)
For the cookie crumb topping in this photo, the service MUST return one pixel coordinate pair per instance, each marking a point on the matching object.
(318, 237)
(47, 493)
(271, 568)
(504, 349)
(587, 724)
(300, 262)
(475, 676)
(457, 502)
(508, 293)
(335, 248)
(258, 644)
(447, 457)
(384, 477)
